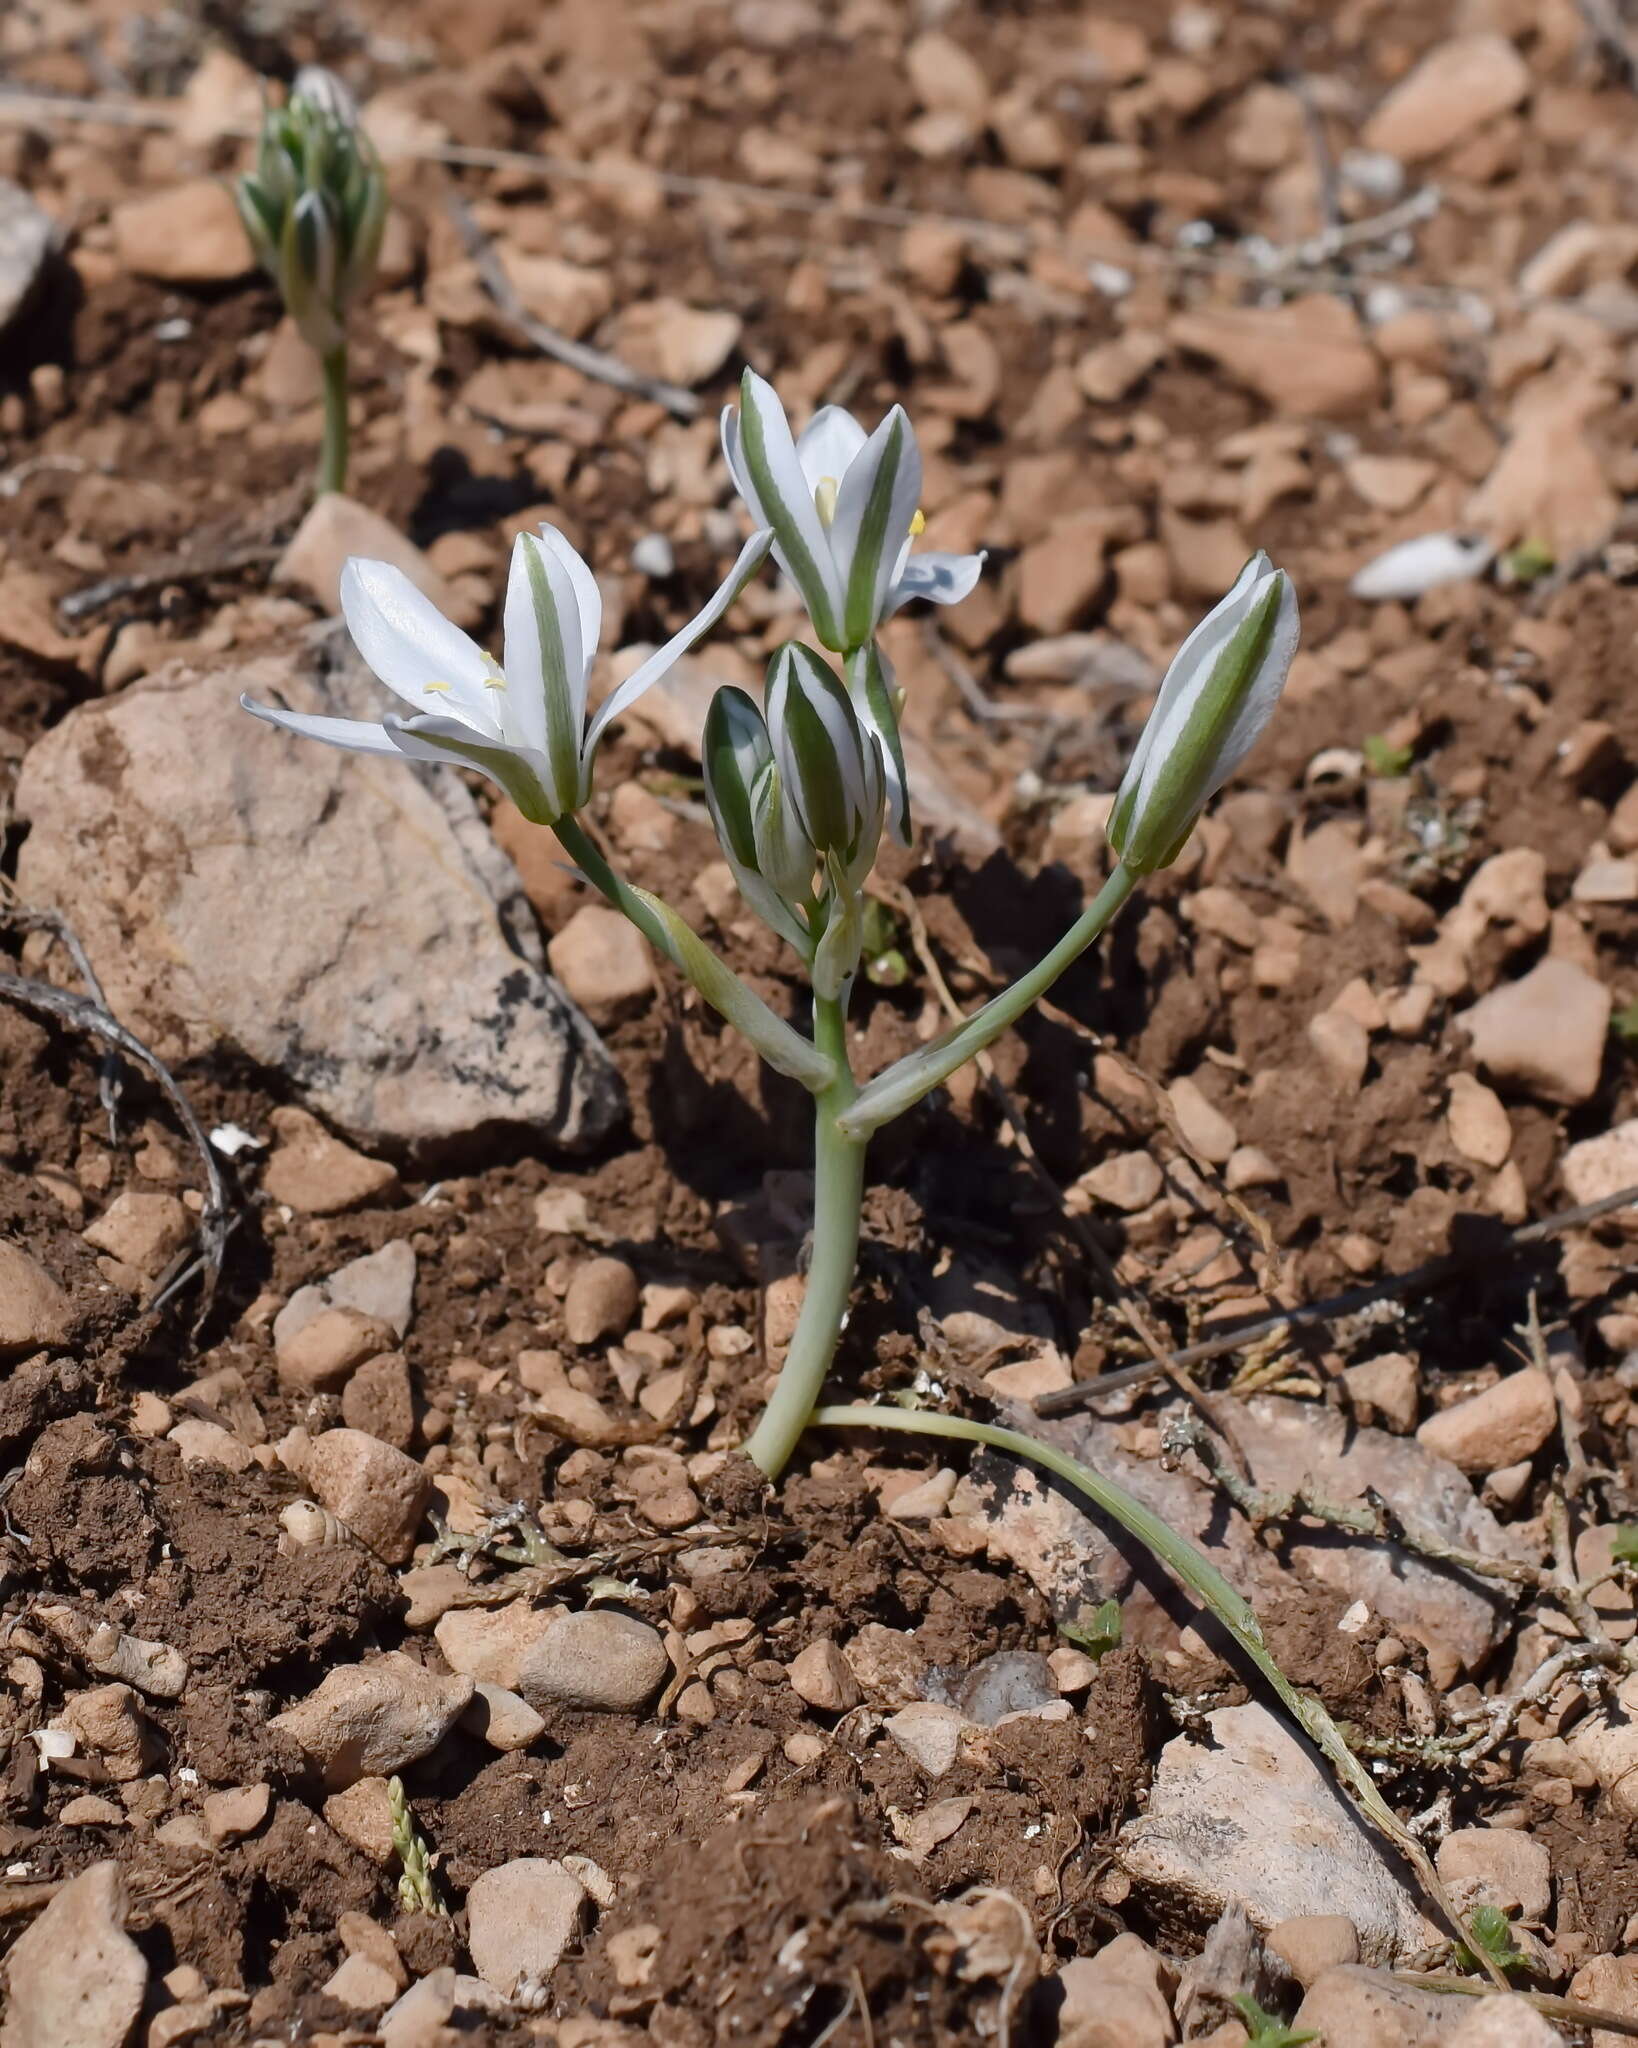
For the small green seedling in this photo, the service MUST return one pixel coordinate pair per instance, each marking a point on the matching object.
(1386, 760)
(416, 1891)
(1265, 2030)
(1492, 1937)
(1624, 1544)
(1099, 1634)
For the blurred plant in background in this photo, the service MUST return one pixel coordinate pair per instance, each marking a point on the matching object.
(315, 208)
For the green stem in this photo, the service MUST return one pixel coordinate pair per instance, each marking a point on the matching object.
(838, 1191)
(332, 474)
(909, 1079)
(1209, 1586)
(783, 1048)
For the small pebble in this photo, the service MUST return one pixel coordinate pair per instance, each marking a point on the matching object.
(601, 1661)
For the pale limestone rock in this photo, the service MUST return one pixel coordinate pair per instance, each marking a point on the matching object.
(143, 1231)
(313, 1172)
(35, 1313)
(1309, 1944)
(1507, 1422)
(186, 234)
(380, 1493)
(1545, 1032)
(338, 527)
(1456, 88)
(27, 236)
(370, 1720)
(1504, 1867)
(601, 1302)
(603, 962)
(820, 1676)
(75, 1977)
(520, 1917)
(1250, 1816)
(1478, 1122)
(1355, 2004)
(1307, 357)
(158, 815)
(600, 1661)
(1600, 1166)
(1205, 1128)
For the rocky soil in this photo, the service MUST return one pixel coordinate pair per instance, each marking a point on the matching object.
(392, 1647)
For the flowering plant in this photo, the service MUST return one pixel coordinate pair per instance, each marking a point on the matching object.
(800, 790)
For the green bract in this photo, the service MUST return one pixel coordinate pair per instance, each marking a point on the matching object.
(315, 207)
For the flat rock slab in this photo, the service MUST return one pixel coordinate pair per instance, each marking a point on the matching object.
(1249, 1817)
(1078, 1561)
(317, 910)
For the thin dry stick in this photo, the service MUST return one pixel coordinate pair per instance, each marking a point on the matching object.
(96, 597)
(1313, 1315)
(579, 355)
(90, 1016)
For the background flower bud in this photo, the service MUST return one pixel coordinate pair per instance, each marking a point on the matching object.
(315, 206)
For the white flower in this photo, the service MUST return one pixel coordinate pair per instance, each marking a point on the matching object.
(1219, 693)
(522, 724)
(844, 508)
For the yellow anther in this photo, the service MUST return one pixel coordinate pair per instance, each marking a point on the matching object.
(436, 689)
(824, 499)
(918, 523)
(494, 682)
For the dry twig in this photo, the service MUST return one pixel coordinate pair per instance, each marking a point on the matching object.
(579, 355)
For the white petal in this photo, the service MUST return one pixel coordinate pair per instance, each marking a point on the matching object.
(937, 577)
(1189, 668)
(786, 498)
(524, 774)
(352, 733)
(733, 453)
(868, 538)
(412, 647)
(751, 557)
(588, 598)
(1258, 708)
(828, 444)
(544, 701)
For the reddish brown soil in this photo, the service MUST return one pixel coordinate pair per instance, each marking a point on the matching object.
(712, 1834)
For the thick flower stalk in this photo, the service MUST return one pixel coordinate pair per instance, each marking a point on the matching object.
(315, 208)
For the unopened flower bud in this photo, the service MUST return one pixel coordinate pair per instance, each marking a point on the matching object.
(1219, 693)
(829, 760)
(757, 825)
(315, 206)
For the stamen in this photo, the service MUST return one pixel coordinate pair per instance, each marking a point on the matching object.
(436, 689)
(824, 499)
(918, 523)
(495, 682)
